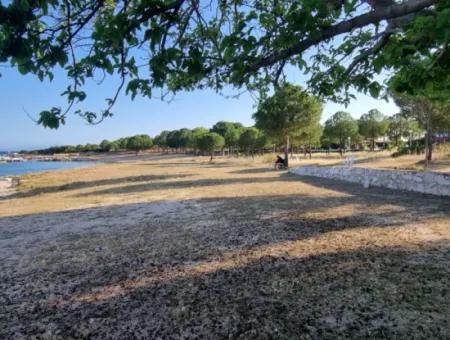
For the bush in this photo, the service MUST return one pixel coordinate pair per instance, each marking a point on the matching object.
(444, 148)
(417, 148)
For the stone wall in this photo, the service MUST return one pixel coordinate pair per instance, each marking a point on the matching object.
(424, 182)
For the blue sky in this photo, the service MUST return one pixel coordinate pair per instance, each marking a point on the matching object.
(20, 93)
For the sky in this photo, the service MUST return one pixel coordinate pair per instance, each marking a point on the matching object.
(21, 94)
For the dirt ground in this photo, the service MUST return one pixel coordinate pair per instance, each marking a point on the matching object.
(183, 249)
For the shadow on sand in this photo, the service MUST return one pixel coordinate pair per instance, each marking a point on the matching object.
(244, 267)
(90, 184)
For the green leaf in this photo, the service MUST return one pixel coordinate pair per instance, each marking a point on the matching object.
(374, 89)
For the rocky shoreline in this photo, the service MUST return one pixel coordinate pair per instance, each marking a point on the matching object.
(7, 185)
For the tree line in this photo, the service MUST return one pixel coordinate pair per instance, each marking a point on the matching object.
(291, 117)
(288, 120)
(134, 143)
(230, 136)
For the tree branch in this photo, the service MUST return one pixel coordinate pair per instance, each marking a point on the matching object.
(365, 54)
(373, 17)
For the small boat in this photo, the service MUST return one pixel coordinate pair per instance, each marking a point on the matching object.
(17, 159)
(11, 159)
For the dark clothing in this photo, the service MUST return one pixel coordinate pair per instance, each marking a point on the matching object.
(279, 160)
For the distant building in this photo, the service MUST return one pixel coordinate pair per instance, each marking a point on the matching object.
(441, 137)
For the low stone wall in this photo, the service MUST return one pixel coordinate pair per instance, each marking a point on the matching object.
(424, 182)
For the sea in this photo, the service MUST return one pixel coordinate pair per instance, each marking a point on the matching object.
(26, 167)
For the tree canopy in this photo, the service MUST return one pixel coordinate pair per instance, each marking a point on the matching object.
(400, 126)
(173, 45)
(373, 124)
(290, 112)
(161, 139)
(310, 137)
(196, 133)
(230, 131)
(209, 142)
(339, 128)
(250, 139)
(139, 142)
(430, 115)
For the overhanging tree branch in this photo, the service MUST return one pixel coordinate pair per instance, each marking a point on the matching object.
(373, 17)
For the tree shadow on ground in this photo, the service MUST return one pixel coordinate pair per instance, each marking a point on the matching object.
(169, 164)
(377, 194)
(130, 157)
(201, 164)
(196, 183)
(249, 283)
(90, 184)
(252, 171)
(436, 164)
(372, 195)
(231, 222)
(389, 292)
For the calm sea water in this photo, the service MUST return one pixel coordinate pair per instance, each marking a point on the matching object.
(20, 168)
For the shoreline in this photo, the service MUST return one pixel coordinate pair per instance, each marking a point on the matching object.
(8, 182)
(11, 179)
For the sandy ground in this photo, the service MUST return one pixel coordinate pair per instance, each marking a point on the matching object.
(181, 248)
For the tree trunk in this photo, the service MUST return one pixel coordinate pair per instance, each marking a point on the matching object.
(428, 148)
(428, 143)
(286, 152)
(212, 156)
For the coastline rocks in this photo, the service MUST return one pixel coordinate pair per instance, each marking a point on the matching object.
(424, 182)
(7, 184)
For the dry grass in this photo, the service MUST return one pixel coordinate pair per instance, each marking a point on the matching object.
(181, 248)
(383, 160)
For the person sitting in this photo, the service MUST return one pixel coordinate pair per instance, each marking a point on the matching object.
(279, 163)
